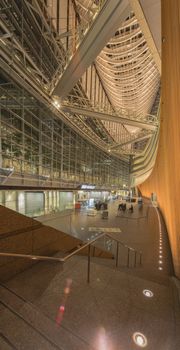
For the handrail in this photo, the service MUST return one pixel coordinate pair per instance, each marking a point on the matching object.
(123, 244)
(83, 246)
(32, 257)
(43, 257)
(88, 244)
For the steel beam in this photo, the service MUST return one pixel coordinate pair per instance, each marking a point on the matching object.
(25, 82)
(137, 139)
(104, 26)
(109, 117)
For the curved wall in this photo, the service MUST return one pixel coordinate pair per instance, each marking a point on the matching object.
(165, 178)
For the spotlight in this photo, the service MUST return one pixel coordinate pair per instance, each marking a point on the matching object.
(140, 339)
(148, 293)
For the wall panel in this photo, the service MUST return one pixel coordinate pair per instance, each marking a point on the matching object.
(165, 178)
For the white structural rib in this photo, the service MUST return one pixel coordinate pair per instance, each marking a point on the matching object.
(127, 68)
(148, 14)
(117, 119)
(106, 22)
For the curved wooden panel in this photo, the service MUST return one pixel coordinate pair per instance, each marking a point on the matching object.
(165, 178)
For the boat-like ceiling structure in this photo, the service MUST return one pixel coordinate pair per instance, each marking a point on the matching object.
(127, 70)
(98, 69)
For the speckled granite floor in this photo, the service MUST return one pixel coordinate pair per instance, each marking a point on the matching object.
(59, 310)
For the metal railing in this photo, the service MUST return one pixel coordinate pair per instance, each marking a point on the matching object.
(61, 260)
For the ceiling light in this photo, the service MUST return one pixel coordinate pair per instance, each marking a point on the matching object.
(56, 103)
(140, 339)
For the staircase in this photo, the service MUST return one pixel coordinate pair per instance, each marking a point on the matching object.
(47, 307)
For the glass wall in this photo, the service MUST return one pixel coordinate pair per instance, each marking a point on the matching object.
(36, 203)
(38, 145)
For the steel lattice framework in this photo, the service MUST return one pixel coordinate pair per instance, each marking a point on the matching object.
(111, 99)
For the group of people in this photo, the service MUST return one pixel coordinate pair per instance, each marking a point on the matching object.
(101, 205)
(123, 207)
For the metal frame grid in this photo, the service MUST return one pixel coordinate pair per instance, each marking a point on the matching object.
(35, 142)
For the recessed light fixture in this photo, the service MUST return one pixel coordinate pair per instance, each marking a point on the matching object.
(160, 262)
(56, 103)
(148, 293)
(160, 268)
(140, 339)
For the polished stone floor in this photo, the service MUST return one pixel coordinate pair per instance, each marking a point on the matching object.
(47, 307)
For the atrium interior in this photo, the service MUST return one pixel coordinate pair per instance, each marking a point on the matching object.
(89, 174)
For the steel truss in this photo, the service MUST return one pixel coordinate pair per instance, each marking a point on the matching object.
(41, 147)
(35, 54)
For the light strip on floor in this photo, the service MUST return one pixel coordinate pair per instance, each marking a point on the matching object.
(160, 262)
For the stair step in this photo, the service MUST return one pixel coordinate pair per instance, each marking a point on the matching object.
(44, 328)
(5, 344)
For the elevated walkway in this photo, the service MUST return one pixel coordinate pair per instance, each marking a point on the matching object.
(144, 123)
(139, 230)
